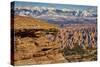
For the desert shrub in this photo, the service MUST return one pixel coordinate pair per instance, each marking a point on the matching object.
(75, 50)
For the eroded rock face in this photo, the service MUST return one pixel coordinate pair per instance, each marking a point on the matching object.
(53, 46)
(38, 42)
(41, 49)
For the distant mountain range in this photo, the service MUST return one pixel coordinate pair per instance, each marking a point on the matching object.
(57, 16)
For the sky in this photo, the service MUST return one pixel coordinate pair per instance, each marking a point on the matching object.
(57, 6)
